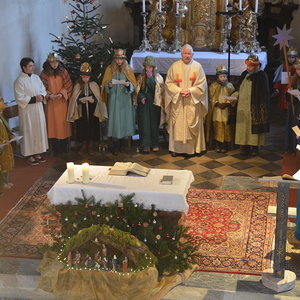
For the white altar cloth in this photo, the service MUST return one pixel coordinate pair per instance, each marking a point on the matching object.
(208, 60)
(107, 188)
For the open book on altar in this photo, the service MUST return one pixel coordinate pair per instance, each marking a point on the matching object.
(122, 168)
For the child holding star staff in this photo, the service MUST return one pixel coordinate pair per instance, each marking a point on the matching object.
(293, 113)
(290, 142)
(280, 78)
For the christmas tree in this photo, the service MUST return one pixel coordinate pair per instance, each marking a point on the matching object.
(82, 44)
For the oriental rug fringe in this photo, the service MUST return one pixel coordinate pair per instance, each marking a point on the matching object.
(232, 229)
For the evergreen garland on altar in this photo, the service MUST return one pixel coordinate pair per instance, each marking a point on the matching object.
(168, 241)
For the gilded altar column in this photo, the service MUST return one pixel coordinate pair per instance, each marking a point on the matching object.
(204, 28)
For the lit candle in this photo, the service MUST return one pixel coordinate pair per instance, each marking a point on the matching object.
(144, 5)
(241, 5)
(85, 173)
(159, 6)
(177, 76)
(226, 3)
(70, 172)
(256, 6)
(177, 7)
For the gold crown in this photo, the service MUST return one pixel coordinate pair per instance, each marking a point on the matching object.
(252, 60)
(221, 69)
(120, 53)
(292, 51)
(53, 57)
(297, 64)
(85, 69)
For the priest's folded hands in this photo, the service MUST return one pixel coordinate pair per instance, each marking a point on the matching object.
(185, 93)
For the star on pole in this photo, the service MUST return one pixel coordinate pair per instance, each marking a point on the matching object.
(283, 37)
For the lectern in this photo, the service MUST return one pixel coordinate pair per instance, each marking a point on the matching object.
(279, 279)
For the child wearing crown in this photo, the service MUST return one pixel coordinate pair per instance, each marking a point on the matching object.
(59, 86)
(281, 80)
(293, 114)
(87, 110)
(118, 85)
(150, 90)
(220, 106)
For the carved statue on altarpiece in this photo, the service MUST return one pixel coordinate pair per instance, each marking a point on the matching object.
(248, 22)
(202, 26)
(152, 25)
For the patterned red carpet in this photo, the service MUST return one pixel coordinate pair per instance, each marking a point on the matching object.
(20, 230)
(232, 229)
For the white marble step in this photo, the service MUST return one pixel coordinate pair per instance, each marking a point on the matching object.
(22, 287)
(194, 293)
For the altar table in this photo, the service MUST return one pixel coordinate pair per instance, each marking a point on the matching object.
(107, 188)
(208, 60)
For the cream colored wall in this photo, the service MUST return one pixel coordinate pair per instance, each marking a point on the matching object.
(24, 31)
(25, 26)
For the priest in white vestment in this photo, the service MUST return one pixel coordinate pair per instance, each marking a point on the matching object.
(186, 101)
(30, 93)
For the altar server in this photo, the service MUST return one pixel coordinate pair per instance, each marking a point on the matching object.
(30, 94)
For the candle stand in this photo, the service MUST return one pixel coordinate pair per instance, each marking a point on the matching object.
(176, 45)
(226, 43)
(145, 45)
(161, 44)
